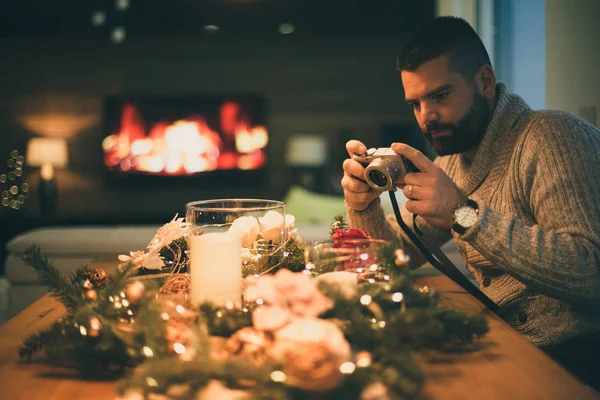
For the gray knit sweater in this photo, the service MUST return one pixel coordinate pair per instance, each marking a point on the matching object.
(535, 248)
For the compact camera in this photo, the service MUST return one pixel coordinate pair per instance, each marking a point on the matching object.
(384, 168)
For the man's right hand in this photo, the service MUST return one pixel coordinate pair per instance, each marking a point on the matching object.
(357, 192)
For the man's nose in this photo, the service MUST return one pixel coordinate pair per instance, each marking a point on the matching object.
(428, 115)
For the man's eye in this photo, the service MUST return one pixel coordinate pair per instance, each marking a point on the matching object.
(414, 106)
(441, 96)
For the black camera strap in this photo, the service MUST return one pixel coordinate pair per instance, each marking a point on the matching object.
(438, 259)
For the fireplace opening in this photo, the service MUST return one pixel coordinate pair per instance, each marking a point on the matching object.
(179, 136)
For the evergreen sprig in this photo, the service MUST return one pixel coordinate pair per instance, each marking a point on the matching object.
(70, 295)
(390, 319)
(339, 222)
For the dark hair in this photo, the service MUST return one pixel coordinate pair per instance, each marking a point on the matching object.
(445, 36)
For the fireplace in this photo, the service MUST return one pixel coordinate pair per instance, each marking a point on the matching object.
(200, 137)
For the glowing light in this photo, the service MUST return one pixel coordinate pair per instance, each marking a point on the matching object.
(229, 305)
(397, 297)
(365, 300)
(178, 348)
(164, 316)
(180, 309)
(141, 146)
(364, 256)
(125, 303)
(382, 324)
(83, 331)
(210, 28)
(286, 29)
(151, 381)
(347, 368)
(373, 267)
(260, 301)
(147, 351)
(278, 376)
(363, 359)
(219, 314)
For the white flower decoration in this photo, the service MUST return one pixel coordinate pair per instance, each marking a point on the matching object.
(247, 227)
(273, 223)
(150, 260)
(168, 232)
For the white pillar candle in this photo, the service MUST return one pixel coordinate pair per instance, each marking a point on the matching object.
(216, 268)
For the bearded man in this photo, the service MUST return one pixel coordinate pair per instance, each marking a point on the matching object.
(518, 190)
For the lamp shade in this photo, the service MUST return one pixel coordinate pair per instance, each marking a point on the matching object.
(306, 151)
(43, 150)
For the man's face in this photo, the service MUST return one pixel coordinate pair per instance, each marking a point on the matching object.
(451, 112)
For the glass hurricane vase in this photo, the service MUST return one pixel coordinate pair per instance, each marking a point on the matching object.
(261, 224)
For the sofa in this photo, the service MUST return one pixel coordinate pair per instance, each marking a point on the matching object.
(71, 247)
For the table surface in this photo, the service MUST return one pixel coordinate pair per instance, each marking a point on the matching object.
(502, 365)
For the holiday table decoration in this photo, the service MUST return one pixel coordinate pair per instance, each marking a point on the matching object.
(306, 327)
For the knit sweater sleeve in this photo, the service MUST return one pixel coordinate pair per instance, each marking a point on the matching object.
(558, 176)
(380, 226)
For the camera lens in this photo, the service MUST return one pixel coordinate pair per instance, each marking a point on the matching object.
(378, 178)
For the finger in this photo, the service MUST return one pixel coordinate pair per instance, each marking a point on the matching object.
(355, 185)
(355, 147)
(417, 178)
(423, 163)
(410, 192)
(354, 168)
(415, 207)
(354, 197)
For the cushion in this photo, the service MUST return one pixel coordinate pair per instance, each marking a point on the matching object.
(307, 206)
(88, 241)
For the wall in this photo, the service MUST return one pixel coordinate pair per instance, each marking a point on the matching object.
(573, 59)
(56, 87)
(521, 45)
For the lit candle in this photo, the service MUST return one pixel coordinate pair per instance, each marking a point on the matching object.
(216, 268)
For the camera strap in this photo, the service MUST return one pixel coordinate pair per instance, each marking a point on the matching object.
(438, 259)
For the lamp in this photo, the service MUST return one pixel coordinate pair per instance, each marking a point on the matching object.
(47, 153)
(307, 155)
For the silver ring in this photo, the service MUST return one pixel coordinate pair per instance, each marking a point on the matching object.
(410, 192)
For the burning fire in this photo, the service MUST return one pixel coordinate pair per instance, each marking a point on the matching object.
(186, 146)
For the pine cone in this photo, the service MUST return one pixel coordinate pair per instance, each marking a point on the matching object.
(98, 277)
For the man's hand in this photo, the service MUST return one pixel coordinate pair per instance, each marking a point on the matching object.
(357, 192)
(430, 193)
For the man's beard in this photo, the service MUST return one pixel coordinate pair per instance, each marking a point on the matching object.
(465, 134)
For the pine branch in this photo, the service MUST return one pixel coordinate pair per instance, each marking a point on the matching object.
(79, 275)
(61, 288)
(34, 344)
(339, 222)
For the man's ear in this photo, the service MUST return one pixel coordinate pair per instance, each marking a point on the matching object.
(486, 81)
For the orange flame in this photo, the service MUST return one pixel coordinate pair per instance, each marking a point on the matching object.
(185, 146)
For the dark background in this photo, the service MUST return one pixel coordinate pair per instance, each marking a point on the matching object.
(333, 76)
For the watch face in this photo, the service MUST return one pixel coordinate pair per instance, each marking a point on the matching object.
(466, 216)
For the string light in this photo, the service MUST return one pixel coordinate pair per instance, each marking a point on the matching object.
(278, 376)
(178, 348)
(147, 351)
(347, 368)
(365, 300)
(151, 381)
(397, 297)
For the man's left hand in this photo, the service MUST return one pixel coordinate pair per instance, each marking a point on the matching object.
(430, 193)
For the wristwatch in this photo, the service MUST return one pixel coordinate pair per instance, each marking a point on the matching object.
(465, 216)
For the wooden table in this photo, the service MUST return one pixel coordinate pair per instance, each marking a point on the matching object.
(504, 366)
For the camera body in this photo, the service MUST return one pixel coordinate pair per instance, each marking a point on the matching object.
(384, 168)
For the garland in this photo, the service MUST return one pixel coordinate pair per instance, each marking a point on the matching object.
(116, 322)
